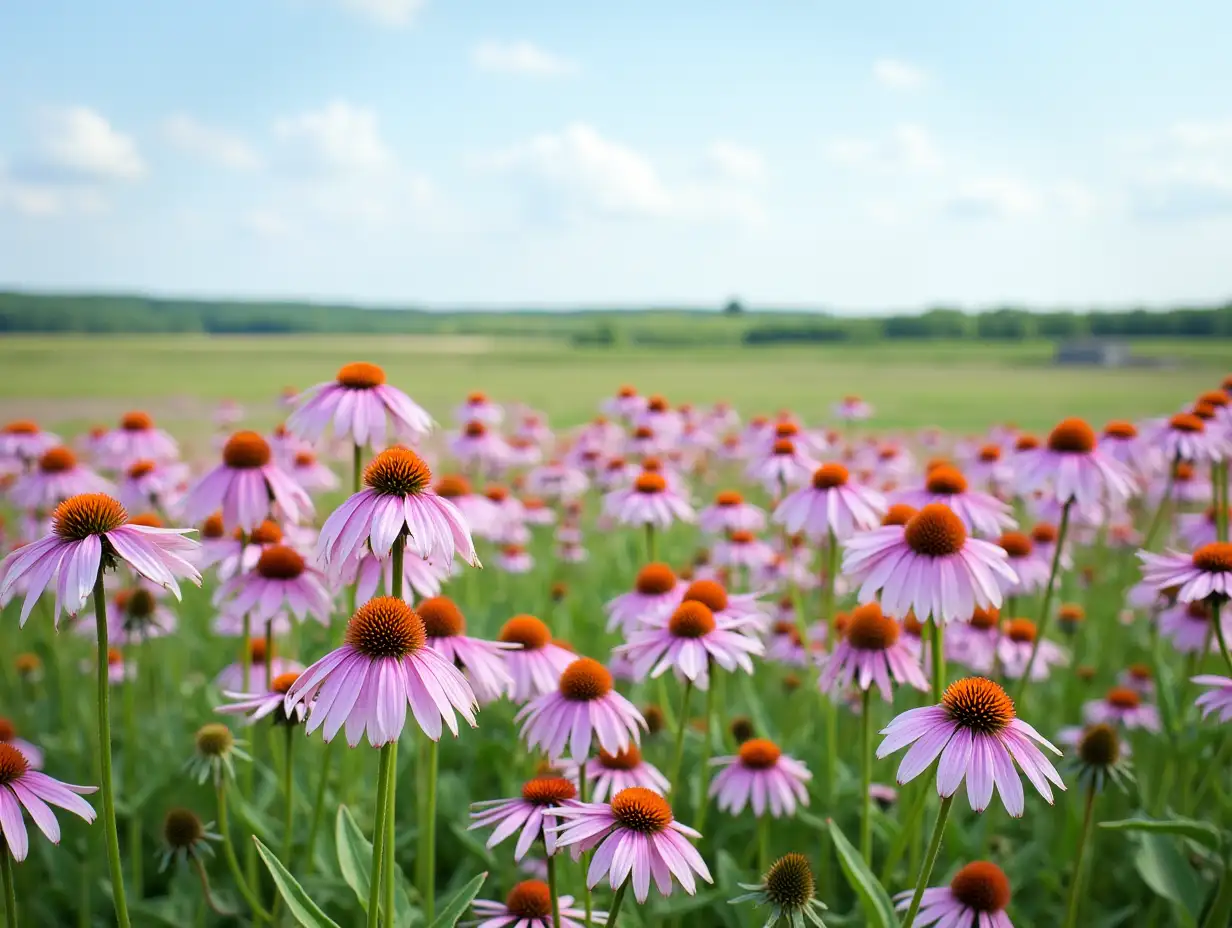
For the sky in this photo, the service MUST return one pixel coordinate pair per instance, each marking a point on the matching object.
(851, 156)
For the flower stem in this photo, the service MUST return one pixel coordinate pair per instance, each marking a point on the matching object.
(378, 835)
(614, 912)
(681, 724)
(1071, 910)
(703, 798)
(130, 777)
(937, 654)
(427, 831)
(1219, 634)
(10, 894)
(866, 777)
(104, 756)
(587, 901)
(388, 863)
(1046, 607)
(288, 797)
(210, 901)
(224, 829)
(551, 858)
(650, 542)
(1164, 502)
(930, 858)
(763, 844)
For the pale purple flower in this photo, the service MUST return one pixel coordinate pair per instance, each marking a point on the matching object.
(1204, 574)
(742, 549)
(557, 480)
(975, 898)
(537, 666)
(584, 707)
(24, 788)
(383, 666)
(787, 465)
(526, 814)
(1188, 627)
(150, 484)
(266, 702)
(1185, 437)
(371, 575)
(626, 404)
(137, 439)
(609, 774)
(23, 441)
(245, 487)
(648, 502)
(478, 408)
(688, 642)
(929, 566)
(134, 615)
(1028, 564)
(1217, 699)
(730, 513)
(1121, 442)
(571, 553)
(760, 774)
(89, 532)
(479, 446)
(871, 651)
(831, 504)
(529, 905)
(481, 513)
(227, 413)
(1014, 651)
(978, 738)
(852, 409)
(656, 592)
(981, 513)
(481, 662)
(232, 679)
(8, 736)
(311, 474)
(1074, 466)
(356, 405)
(55, 478)
(660, 418)
(1198, 529)
(1122, 706)
(280, 580)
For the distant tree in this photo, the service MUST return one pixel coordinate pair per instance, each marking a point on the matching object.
(733, 308)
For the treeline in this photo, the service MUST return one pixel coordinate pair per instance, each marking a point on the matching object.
(49, 313)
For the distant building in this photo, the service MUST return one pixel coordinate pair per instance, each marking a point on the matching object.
(1094, 352)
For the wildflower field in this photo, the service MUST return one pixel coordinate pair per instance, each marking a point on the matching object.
(488, 631)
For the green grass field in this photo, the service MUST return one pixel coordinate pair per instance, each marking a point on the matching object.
(68, 382)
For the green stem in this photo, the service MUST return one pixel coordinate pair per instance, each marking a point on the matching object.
(357, 468)
(614, 912)
(866, 777)
(250, 771)
(391, 806)
(587, 901)
(1071, 910)
(703, 797)
(378, 835)
(650, 542)
(428, 831)
(681, 724)
(269, 655)
(930, 858)
(233, 863)
(104, 756)
(763, 844)
(1041, 627)
(551, 858)
(288, 796)
(131, 776)
(1164, 502)
(10, 894)
(937, 654)
(1219, 634)
(318, 807)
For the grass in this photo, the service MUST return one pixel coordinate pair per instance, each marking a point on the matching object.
(71, 380)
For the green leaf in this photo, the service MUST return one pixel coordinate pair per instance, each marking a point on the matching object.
(355, 862)
(1204, 833)
(454, 909)
(305, 911)
(1169, 874)
(1220, 912)
(875, 901)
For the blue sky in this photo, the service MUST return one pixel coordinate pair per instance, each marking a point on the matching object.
(855, 156)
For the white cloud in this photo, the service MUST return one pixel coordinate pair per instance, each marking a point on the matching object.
(906, 147)
(339, 137)
(80, 141)
(210, 143)
(268, 223)
(519, 57)
(738, 163)
(994, 198)
(386, 12)
(1187, 173)
(895, 74)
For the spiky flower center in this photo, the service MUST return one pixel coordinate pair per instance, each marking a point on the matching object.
(148, 519)
(527, 631)
(869, 629)
(1072, 436)
(1120, 429)
(496, 494)
(475, 429)
(386, 627)
(741, 729)
(27, 663)
(1021, 631)
(990, 454)
(710, 593)
(829, 476)
(1100, 746)
(86, 514)
(626, 392)
(789, 882)
(1122, 697)
(284, 681)
(585, 680)
(759, 754)
(628, 759)
(441, 617)
(1141, 672)
(214, 740)
(1187, 422)
(1026, 442)
(267, 533)
(1044, 533)
(655, 720)
(305, 459)
(655, 579)
(978, 705)
(280, 562)
(548, 790)
(137, 603)
(1215, 557)
(935, 531)
(136, 421)
(529, 900)
(741, 537)
(691, 619)
(7, 731)
(649, 482)
(945, 480)
(728, 498)
(141, 468)
(898, 514)
(398, 471)
(212, 527)
(57, 460)
(641, 810)
(784, 447)
(245, 451)
(182, 829)
(360, 375)
(984, 619)
(22, 427)
(1016, 544)
(452, 486)
(981, 886)
(656, 403)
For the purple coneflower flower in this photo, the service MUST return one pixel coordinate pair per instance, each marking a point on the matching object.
(526, 812)
(1121, 442)
(311, 474)
(975, 898)
(687, 642)
(231, 552)
(929, 565)
(1198, 529)
(8, 735)
(1122, 706)
(478, 408)
(557, 480)
(478, 445)
(785, 466)
(978, 738)
(537, 666)
(372, 576)
(22, 441)
(398, 499)
(1206, 573)
(609, 774)
(135, 615)
(56, 477)
(741, 610)
(1218, 698)
(762, 774)
(743, 549)
(478, 511)
(871, 652)
(1188, 628)
(23, 787)
(481, 662)
(89, 532)
(136, 439)
(647, 502)
(656, 592)
(636, 837)
(831, 504)
(529, 905)
(243, 487)
(980, 513)
(852, 409)
(356, 404)
(1186, 437)
(974, 643)
(271, 702)
(1031, 569)
(383, 666)
(280, 580)
(1015, 646)
(231, 678)
(515, 559)
(626, 404)
(730, 513)
(1075, 467)
(584, 707)
(150, 484)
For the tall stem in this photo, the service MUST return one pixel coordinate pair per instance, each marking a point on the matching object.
(587, 901)
(378, 835)
(1071, 910)
(551, 858)
(614, 912)
(130, 776)
(1046, 608)
(681, 724)
(937, 654)
(1219, 633)
(10, 893)
(288, 797)
(866, 777)
(650, 542)
(224, 830)
(763, 844)
(428, 830)
(397, 555)
(1164, 502)
(391, 807)
(930, 858)
(104, 756)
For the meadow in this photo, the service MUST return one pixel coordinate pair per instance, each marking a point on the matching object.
(1163, 862)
